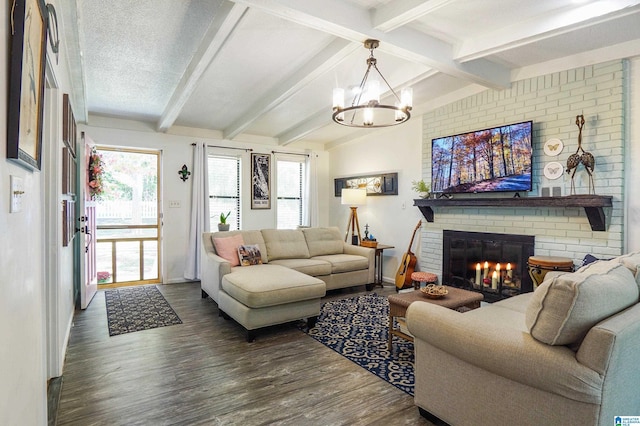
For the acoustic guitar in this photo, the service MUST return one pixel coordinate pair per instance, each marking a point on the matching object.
(408, 264)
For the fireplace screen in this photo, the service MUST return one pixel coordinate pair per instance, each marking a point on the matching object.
(494, 264)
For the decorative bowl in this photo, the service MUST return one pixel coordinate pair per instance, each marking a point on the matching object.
(434, 291)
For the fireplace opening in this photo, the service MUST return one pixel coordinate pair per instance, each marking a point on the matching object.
(493, 264)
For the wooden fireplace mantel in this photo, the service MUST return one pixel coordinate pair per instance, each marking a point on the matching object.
(593, 205)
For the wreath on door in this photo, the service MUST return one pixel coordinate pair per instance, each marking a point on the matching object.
(96, 169)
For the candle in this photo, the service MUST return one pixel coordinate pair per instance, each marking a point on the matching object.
(509, 271)
(486, 269)
(494, 280)
(477, 274)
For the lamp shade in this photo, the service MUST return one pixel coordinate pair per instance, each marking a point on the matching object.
(354, 196)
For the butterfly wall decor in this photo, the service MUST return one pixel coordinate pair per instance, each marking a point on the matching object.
(553, 147)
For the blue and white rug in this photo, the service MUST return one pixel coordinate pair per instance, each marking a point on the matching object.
(357, 328)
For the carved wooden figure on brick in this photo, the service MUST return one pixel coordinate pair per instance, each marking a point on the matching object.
(581, 156)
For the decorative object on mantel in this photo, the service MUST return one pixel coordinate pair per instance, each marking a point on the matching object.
(375, 184)
(553, 170)
(223, 225)
(586, 158)
(553, 147)
(184, 173)
(366, 100)
(423, 189)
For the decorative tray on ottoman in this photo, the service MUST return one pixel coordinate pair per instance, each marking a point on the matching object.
(434, 291)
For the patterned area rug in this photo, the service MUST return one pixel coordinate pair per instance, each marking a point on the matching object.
(357, 328)
(138, 308)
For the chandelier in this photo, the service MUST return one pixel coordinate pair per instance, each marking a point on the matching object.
(365, 109)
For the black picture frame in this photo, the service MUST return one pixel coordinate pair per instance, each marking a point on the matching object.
(260, 181)
(26, 83)
(375, 184)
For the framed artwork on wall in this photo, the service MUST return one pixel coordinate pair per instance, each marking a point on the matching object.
(69, 129)
(260, 181)
(376, 184)
(26, 83)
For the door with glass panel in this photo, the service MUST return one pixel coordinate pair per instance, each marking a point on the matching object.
(129, 218)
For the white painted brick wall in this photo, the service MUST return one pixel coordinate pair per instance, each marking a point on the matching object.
(552, 102)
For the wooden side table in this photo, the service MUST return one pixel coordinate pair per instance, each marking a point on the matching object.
(377, 279)
(398, 304)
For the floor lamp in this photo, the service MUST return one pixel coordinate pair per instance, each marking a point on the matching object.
(353, 197)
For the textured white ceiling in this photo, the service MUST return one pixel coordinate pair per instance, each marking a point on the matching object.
(267, 67)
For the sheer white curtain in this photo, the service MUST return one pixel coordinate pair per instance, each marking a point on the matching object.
(199, 211)
(310, 208)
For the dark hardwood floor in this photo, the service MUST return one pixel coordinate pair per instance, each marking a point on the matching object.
(203, 372)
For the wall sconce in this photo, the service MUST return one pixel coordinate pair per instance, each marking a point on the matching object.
(184, 173)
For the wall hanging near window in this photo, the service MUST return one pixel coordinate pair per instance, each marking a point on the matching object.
(184, 173)
(377, 184)
(260, 181)
(26, 83)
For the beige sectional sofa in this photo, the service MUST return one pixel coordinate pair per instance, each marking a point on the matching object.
(568, 353)
(296, 268)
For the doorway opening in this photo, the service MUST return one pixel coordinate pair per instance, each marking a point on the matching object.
(129, 219)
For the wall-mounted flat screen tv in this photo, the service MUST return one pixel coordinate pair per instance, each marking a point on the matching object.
(490, 160)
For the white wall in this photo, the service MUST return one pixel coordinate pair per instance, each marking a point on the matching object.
(176, 151)
(391, 218)
(23, 387)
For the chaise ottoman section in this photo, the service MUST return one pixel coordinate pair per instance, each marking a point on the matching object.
(260, 286)
(263, 295)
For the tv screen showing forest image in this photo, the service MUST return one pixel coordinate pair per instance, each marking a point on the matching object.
(489, 160)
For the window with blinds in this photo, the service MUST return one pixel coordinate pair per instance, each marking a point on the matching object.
(224, 190)
(290, 192)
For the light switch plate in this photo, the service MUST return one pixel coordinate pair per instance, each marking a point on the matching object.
(174, 204)
(17, 193)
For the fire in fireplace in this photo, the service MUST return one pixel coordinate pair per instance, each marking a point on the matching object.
(493, 264)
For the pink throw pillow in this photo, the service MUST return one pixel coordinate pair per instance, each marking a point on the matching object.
(227, 248)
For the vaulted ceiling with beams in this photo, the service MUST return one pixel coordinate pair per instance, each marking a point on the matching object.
(267, 67)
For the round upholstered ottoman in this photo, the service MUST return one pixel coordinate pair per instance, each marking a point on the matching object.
(423, 277)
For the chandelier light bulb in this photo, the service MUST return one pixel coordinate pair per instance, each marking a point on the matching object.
(368, 117)
(372, 93)
(338, 102)
(406, 97)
